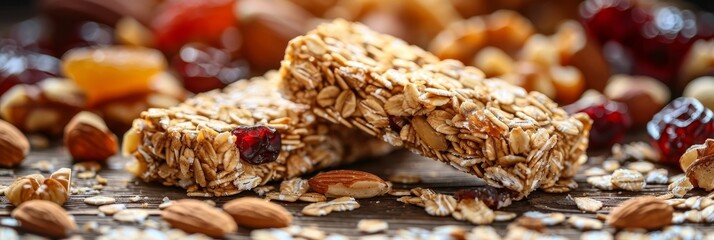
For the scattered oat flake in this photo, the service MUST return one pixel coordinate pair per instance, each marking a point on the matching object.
(87, 166)
(312, 197)
(657, 176)
(311, 233)
(502, 216)
(372, 225)
(587, 204)
(282, 197)
(628, 180)
(681, 186)
(584, 223)
(166, 204)
(263, 190)
(405, 178)
(595, 171)
(549, 219)
(596, 235)
(483, 232)
(601, 182)
(43, 166)
(101, 180)
(99, 200)
(134, 199)
(641, 166)
(86, 175)
(439, 204)
(666, 196)
(399, 192)
(131, 215)
(337, 205)
(111, 209)
(610, 165)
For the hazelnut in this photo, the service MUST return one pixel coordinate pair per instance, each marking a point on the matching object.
(701, 89)
(88, 138)
(494, 62)
(13, 145)
(267, 26)
(460, 40)
(508, 30)
(645, 94)
(568, 82)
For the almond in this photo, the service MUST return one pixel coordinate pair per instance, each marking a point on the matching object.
(701, 173)
(258, 213)
(88, 138)
(695, 152)
(641, 212)
(13, 145)
(45, 218)
(194, 216)
(340, 183)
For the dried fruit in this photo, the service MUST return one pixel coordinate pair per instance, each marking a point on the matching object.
(258, 213)
(340, 183)
(644, 95)
(610, 119)
(88, 138)
(107, 73)
(679, 125)
(194, 216)
(257, 144)
(35, 186)
(13, 145)
(494, 198)
(204, 68)
(181, 22)
(701, 173)
(641, 212)
(44, 218)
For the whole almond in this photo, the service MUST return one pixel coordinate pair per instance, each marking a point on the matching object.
(341, 183)
(88, 138)
(13, 145)
(258, 213)
(701, 173)
(194, 216)
(45, 218)
(641, 212)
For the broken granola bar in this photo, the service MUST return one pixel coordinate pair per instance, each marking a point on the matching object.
(360, 79)
(192, 146)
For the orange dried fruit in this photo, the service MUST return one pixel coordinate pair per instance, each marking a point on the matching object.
(112, 72)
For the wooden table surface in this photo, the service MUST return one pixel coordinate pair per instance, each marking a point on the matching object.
(437, 176)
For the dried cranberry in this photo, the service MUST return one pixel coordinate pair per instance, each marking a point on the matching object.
(655, 38)
(494, 198)
(257, 144)
(396, 123)
(610, 119)
(204, 68)
(183, 21)
(679, 125)
(18, 66)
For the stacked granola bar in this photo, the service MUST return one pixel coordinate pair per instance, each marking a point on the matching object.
(360, 79)
(191, 145)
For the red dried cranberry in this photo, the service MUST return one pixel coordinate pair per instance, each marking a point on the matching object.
(654, 37)
(257, 144)
(610, 119)
(18, 66)
(494, 198)
(204, 68)
(183, 21)
(679, 125)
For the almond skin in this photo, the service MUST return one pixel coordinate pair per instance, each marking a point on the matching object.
(348, 183)
(88, 138)
(45, 218)
(258, 213)
(193, 216)
(13, 145)
(701, 173)
(641, 212)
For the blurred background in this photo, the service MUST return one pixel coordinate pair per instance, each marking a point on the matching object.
(620, 61)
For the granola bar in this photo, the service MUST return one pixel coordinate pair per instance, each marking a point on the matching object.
(191, 145)
(355, 77)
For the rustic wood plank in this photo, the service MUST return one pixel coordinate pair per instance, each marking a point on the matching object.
(440, 177)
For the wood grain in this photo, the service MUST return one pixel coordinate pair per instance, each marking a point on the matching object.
(437, 176)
